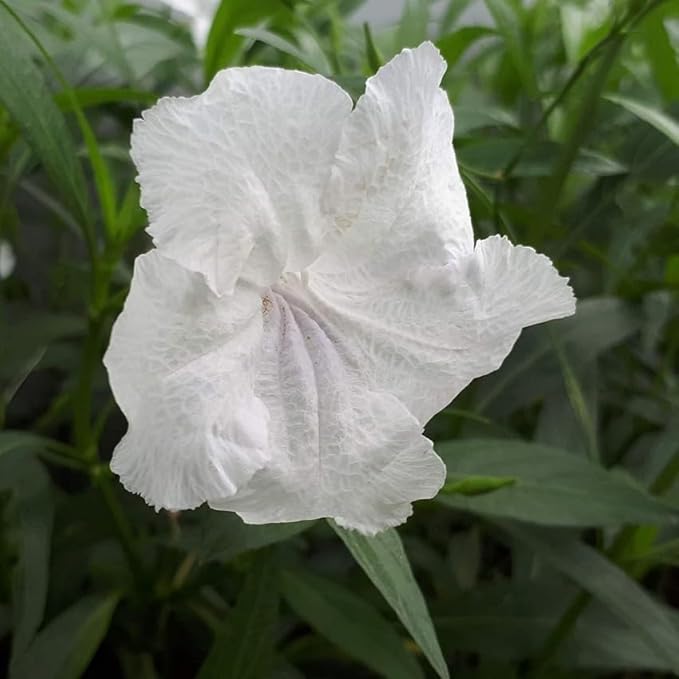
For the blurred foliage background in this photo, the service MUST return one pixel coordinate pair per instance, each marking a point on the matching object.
(552, 550)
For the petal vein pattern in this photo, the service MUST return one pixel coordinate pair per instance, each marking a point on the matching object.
(232, 178)
(181, 367)
(315, 297)
(340, 449)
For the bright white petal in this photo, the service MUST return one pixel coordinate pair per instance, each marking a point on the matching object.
(395, 174)
(423, 311)
(341, 450)
(180, 365)
(232, 178)
(423, 333)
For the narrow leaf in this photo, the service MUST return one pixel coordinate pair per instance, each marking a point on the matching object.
(32, 507)
(661, 121)
(476, 485)
(64, 649)
(245, 648)
(24, 94)
(607, 583)
(350, 623)
(550, 486)
(384, 561)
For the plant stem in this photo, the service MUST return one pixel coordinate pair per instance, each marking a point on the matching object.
(625, 537)
(618, 32)
(102, 479)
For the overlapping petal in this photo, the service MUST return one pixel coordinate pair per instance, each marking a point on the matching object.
(232, 178)
(315, 298)
(181, 366)
(423, 309)
(340, 448)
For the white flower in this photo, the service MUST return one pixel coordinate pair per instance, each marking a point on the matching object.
(315, 296)
(7, 260)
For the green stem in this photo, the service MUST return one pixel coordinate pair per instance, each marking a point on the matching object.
(618, 31)
(625, 537)
(102, 479)
(580, 128)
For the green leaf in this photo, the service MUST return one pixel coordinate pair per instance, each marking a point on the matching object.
(661, 55)
(87, 97)
(672, 271)
(510, 620)
(477, 485)
(661, 121)
(454, 45)
(453, 12)
(412, 26)
(384, 561)
(508, 17)
(375, 59)
(606, 582)
(317, 62)
(489, 157)
(24, 94)
(223, 536)
(599, 324)
(32, 332)
(245, 648)
(32, 508)
(583, 26)
(350, 623)
(223, 43)
(550, 486)
(64, 649)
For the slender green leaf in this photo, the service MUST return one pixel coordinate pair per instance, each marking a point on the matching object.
(223, 43)
(384, 561)
(351, 623)
(24, 94)
(317, 62)
(33, 510)
(550, 486)
(510, 619)
(453, 11)
(375, 58)
(489, 157)
(583, 26)
(477, 485)
(87, 97)
(64, 649)
(606, 582)
(661, 121)
(454, 45)
(661, 55)
(245, 648)
(508, 18)
(413, 25)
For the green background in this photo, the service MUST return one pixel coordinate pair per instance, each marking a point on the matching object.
(552, 549)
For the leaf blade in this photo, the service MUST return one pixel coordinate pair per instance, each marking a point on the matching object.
(384, 561)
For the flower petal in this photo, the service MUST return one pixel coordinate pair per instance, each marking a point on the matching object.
(180, 364)
(342, 449)
(395, 169)
(423, 333)
(232, 178)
